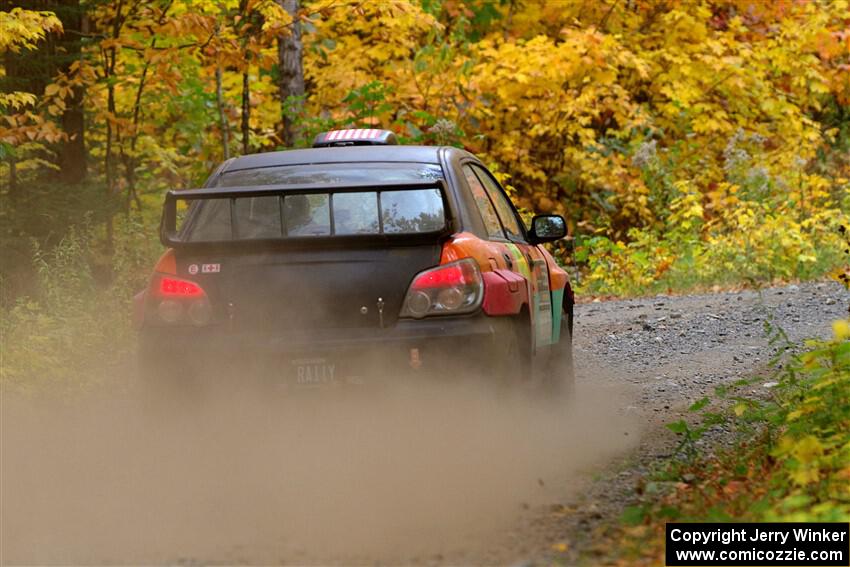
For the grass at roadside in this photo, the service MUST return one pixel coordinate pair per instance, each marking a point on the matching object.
(74, 325)
(790, 462)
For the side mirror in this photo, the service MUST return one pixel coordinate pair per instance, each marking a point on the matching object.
(547, 228)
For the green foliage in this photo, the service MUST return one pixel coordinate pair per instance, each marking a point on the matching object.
(71, 331)
(813, 450)
(365, 104)
(791, 463)
(44, 215)
(362, 108)
(756, 243)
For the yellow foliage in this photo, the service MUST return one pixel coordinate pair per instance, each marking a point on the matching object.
(356, 43)
(23, 29)
(699, 138)
(564, 96)
(841, 329)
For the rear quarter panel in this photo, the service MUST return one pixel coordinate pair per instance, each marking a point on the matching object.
(562, 292)
(507, 291)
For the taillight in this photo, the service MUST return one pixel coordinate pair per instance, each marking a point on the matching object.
(180, 288)
(178, 301)
(449, 289)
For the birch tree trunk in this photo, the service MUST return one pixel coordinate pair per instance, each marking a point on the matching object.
(290, 56)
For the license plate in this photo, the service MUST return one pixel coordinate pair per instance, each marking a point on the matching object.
(314, 371)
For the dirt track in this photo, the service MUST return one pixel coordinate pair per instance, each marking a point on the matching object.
(446, 474)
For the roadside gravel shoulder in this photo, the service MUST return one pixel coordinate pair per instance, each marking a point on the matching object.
(668, 352)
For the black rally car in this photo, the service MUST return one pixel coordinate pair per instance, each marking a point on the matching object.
(318, 265)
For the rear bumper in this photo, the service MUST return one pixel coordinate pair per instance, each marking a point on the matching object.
(439, 337)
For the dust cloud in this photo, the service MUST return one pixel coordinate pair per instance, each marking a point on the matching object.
(418, 474)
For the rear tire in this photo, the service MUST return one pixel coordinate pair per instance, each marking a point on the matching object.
(512, 363)
(164, 377)
(559, 380)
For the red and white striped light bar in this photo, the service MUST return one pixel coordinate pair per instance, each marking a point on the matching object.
(355, 137)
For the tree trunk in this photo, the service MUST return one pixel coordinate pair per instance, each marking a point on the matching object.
(225, 127)
(13, 179)
(245, 29)
(246, 113)
(290, 57)
(72, 153)
(110, 58)
(10, 83)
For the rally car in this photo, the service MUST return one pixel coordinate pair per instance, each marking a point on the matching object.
(356, 257)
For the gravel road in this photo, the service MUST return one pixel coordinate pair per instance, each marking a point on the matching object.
(668, 351)
(441, 474)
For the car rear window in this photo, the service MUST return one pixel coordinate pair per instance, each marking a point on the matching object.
(371, 211)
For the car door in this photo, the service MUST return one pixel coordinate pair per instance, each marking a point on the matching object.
(504, 225)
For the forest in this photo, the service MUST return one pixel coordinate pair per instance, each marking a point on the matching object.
(691, 145)
(688, 143)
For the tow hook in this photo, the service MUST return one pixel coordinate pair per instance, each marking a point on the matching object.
(415, 359)
(231, 310)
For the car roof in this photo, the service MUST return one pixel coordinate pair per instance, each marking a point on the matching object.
(346, 154)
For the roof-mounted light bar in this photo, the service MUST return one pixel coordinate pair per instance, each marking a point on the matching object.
(355, 137)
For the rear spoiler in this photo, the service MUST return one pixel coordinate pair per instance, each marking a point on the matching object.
(171, 236)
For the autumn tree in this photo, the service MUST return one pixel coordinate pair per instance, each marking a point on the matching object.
(24, 128)
(702, 117)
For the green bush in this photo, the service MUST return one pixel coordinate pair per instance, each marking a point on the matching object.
(791, 461)
(761, 248)
(73, 329)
